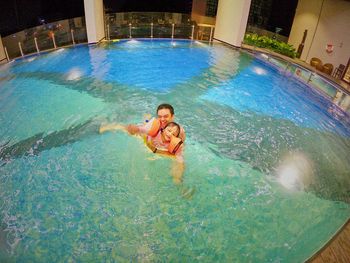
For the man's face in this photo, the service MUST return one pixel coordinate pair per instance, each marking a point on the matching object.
(164, 117)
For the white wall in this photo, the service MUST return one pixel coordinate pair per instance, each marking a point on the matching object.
(94, 20)
(332, 27)
(2, 53)
(231, 21)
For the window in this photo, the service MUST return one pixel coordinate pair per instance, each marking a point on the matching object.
(212, 6)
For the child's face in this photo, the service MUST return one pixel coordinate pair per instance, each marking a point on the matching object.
(168, 132)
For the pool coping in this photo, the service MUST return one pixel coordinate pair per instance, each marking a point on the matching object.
(317, 257)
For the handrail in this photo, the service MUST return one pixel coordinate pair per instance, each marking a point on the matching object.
(118, 26)
(44, 37)
(309, 69)
(341, 96)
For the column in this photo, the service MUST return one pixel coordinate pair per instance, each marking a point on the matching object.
(2, 53)
(94, 20)
(306, 18)
(231, 21)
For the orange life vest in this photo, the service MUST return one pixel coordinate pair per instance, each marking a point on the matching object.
(155, 128)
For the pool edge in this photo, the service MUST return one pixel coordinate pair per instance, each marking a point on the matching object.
(327, 247)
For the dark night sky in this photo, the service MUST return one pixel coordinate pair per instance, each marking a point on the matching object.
(282, 15)
(172, 6)
(16, 15)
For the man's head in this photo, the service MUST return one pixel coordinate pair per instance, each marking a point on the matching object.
(165, 114)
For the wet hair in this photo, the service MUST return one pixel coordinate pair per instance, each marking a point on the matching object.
(174, 124)
(166, 106)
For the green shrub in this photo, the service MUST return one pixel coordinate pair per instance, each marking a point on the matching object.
(269, 43)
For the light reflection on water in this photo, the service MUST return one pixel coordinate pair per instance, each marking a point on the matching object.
(70, 194)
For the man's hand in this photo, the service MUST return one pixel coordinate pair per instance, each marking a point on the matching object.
(132, 129)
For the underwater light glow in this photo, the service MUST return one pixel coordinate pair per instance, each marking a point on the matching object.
(259, 71)
(295, 173)
(31, 59)
(74, 73)
(133, 41)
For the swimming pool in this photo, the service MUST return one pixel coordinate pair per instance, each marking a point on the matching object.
(267, 157)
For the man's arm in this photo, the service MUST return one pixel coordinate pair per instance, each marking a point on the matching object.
(177, 171)
(140, 129)
(182, 134)
(178, 166)
(133, 129)
(112, 127)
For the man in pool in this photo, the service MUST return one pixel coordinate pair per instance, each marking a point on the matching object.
(164, 141)
(165, 114)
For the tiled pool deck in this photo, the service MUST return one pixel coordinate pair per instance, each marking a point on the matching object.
(337, 249)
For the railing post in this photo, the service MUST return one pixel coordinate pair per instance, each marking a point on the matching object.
(192, 32)
(7, 55)
(172, 30)
(309, 80)
(130, 30)
(36, 45)
(53, 40)
(152, 30)
(108, 36)
(20, 48)
(72, 34)
(287, 66)
(211, 34)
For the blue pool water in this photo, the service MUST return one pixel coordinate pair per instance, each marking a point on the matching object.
(267, 158)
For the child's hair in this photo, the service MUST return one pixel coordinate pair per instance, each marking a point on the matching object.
(174, 124)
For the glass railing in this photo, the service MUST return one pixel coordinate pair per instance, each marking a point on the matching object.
(147, 25)
(138, 18)
(154, 25)
(45, 37)
(117, 26)
(326, 86)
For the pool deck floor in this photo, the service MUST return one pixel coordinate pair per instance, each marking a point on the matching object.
(337, 250)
